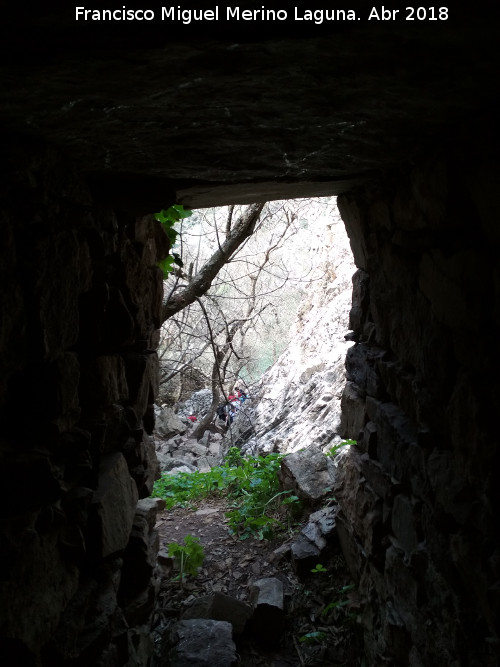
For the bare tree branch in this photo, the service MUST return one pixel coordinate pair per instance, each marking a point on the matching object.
(201, 282)
(229, 219)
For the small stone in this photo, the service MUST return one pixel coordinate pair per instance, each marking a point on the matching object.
(268, 620)
(256, 569)
(280, 553)
(202, 643)
(220, 607)
(206, 510)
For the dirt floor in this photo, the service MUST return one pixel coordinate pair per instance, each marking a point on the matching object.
(321, 626)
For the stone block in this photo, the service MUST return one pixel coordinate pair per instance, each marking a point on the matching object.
(403, 523)
(305, 555)
(143, 379)
(151, 466)
(313, 539)
(284, 551)
(197, 449)
(138, 610)
(115, 502)
(351, 214)
(360, 300)
(401, 585)
(268, 621)
(307, 473)
(148, 230)
(115, 431)
(202, 643)
(205, 463)
(140, 645)
(170, 464)
(372, 407)
(139, 562)
(353, 412)
(205, 439)
(362, 369)
(395, 434)
(220, 607)
(368, 442)
(103, 381)
(376, 477)
(214, 448)
(168, 423)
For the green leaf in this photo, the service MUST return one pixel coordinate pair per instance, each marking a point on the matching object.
(173, 214)
(177, 259)
(162, 216)
(166, 265)
(312, 637)
(187, 557)
(181, 211)
(319, 568)
(349, 587)
(171, 233)
(334, 605)
(253, 486)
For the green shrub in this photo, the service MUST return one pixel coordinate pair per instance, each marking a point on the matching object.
(252, 486)
(345, 443)
(188, 557)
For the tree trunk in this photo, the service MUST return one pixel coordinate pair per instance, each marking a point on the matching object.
(204, 424)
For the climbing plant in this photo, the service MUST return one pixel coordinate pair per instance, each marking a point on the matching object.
(168, 218)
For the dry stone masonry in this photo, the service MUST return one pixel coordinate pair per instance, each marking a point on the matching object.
(418, 512)
(81, 297)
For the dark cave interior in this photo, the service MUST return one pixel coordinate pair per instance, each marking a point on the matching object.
(101, 125)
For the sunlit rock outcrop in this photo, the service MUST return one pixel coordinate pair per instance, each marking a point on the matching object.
(297, 402)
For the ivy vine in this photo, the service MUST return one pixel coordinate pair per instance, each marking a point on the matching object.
(167, 218)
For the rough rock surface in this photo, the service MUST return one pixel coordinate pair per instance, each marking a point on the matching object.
(221, 607)
(159, 110)
(308, 473)
(78, 337)
(316, 536)
(202, 643)
(416, 510)
(167, 423)
(185, 451)
(401, 116)
(268, 620)
(197, 404)
(298, 401)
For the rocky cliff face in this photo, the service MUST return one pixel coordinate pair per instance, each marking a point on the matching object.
(298, 400)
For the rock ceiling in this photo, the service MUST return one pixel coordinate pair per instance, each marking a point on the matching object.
(228, 114)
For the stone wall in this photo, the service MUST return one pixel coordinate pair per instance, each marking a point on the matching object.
(79, 312)
(419, 519)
